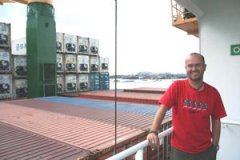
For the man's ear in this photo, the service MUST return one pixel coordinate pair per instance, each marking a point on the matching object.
(205, 66)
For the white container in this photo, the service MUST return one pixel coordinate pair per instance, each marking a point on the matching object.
(70, 43)
(5, 86)
(5, 63)
(60, 64)
(70, 63)
(83, 82)
(93, 46)
(104, 64)
(60, 83)
(70, 83)
(59, 42)
(19, 88)
(83, 45)
(83, 64)
(94, 63)
(5, 34)
(20, 66)
(19, 46)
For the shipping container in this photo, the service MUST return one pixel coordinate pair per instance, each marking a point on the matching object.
(94, 63)
(5, 86)
(133, 96)
(70, 43)
(19, 88)
(94, 81)
(83, 45)
(67, 120)
(23, 144)
(5, 63)
(20, 66)
(104, 81)
(59, 42)
(60, 64)
(94, 46)
(83, 82)
(70, 63)
(104, 64)
(60, 83)
(70, 83)
(19, 46)
(83, 64)
(5, 34)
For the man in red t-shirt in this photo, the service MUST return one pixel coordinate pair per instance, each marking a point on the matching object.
(197, 108)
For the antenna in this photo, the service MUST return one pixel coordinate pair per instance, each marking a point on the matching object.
(115, 82)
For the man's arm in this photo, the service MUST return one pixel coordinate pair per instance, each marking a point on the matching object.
(152, 136)
(216, 130)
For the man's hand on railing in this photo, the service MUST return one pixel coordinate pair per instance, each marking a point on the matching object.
(153, 140)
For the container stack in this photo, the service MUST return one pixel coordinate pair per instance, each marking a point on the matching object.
(19, 71)
(79, 65)
(5, 61)
(104, 74)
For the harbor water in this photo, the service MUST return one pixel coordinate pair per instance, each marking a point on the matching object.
(138, 83)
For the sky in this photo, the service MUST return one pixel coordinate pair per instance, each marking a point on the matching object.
(146, 39)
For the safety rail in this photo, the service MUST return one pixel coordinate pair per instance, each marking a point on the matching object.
(179, 12)
(230, 122)
(183, 19)
(138, 148)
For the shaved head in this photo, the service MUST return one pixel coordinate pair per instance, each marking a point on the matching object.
(195, 54)
(195, 67)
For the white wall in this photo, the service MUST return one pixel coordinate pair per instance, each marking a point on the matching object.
(229, 142)
(219, 29)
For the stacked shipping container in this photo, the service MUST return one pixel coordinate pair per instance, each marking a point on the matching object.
(19, 68)
(5, 62)
(79, 65)
(86, 124)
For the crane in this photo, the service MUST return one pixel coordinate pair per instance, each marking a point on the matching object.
(24, 1)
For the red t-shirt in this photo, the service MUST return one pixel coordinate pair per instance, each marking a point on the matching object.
(191, 114)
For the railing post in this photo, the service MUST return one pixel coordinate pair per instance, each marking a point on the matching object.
(138, 147)
(139, 155)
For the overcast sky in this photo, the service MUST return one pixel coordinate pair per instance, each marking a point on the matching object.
(147, 41)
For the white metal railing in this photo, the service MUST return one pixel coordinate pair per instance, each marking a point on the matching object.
(138, 148)
(177, 10)
(229, 122)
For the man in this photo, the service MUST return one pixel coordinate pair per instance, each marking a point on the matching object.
(196, 111)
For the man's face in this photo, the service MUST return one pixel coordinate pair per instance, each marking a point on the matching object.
(195, 67)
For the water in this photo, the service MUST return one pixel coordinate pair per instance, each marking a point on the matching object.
(130, 84)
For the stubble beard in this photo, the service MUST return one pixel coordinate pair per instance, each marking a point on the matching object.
(195, 77)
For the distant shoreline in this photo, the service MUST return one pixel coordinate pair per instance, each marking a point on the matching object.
(138, 83)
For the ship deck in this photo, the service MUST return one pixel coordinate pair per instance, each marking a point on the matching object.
(71, 127)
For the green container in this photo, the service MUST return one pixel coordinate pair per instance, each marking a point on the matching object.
(41, 50)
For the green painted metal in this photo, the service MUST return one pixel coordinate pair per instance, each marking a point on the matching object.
(41, 50)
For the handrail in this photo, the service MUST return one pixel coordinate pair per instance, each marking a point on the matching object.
(138, 147)
(229, 122)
